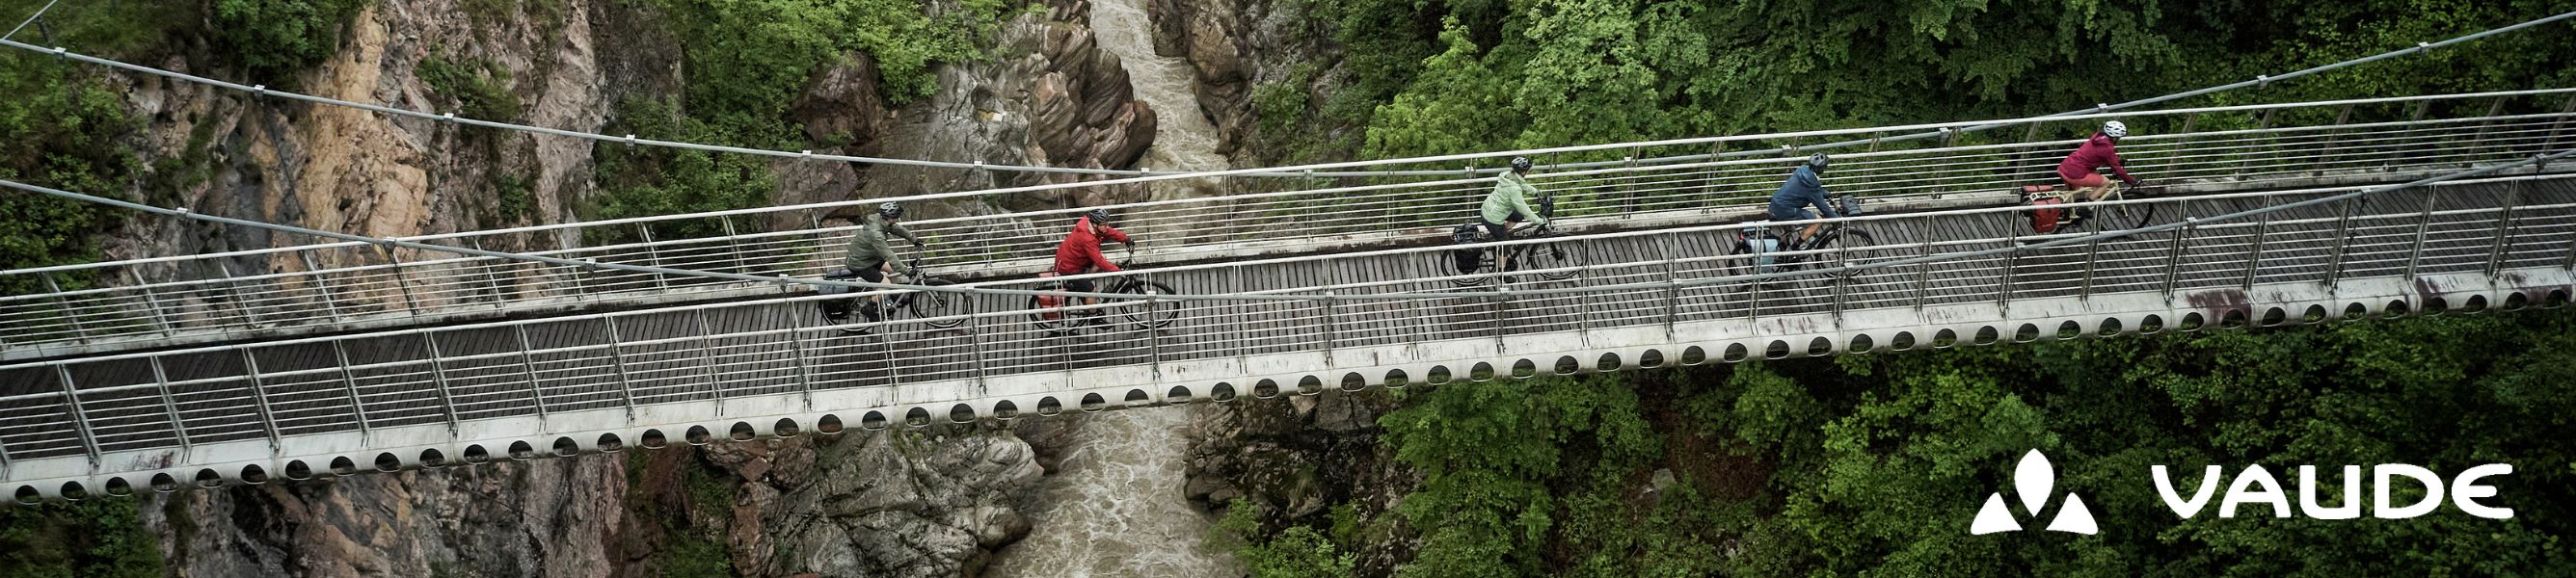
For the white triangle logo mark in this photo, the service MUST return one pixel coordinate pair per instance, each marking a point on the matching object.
(2033, 479)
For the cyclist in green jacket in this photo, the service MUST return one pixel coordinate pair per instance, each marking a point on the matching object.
(871, 256)
(1509, 203)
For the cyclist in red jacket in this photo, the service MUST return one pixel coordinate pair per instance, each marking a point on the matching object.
(1080, 252)
(2081, 169)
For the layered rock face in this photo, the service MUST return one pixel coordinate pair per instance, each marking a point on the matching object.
(933, 502)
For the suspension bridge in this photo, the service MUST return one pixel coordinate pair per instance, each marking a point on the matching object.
(341, 357)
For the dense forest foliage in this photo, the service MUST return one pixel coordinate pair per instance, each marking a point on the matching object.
(1873, 465)
(1420, 78)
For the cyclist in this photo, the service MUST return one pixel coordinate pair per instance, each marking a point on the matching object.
(1509, 203)
(2081, 169)
(871, 257)
(1806, 186)
(1080, 252)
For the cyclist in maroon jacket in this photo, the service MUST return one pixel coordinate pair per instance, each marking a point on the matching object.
(1080, 252)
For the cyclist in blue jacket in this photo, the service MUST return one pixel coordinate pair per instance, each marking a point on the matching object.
(1805, 187)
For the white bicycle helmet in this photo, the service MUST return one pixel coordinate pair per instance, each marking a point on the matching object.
(2115, 129)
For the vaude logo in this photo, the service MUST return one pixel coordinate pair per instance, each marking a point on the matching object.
(2033, 479)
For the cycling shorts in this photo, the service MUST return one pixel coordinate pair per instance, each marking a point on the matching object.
(1786, 214)
(871, 274)
(1081, 286)
(2089, 180)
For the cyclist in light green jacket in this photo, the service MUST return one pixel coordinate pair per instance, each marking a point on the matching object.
(1509, 203)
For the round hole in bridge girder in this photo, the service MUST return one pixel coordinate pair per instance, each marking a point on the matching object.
(209, 478)
(2356, 312)
(1820, 346)
(565, 447)
(2436, 306)
(1310, 385)
(118, 487)
(299, 471)
(698, 435)
(1736, 352)
(917, 417)
(1778, 350)
(1862, 343)
(2475, 304)
(1093, 402)
(829, 424)
(609, 442)
(343, 466)
(1006, 410)
(2069, 330)
(2557, 298)
(2190, 322)
(786, 428)
(1988, 335)
(1608, 362)
(30, 496)
(1566, 365)
(2275, 316)
(474, 454)
(1223, 392)
(254, 475)
(2315, 313)
(1136, 398)
(961, 413)
(876, 420)
(2110, 327)
(73, 491)
(2151, 323)
(2394, 310)
(1693, 355)
(1396, 379)
(1353, 382)
(1481, 372)
(2515, 301)
(432, 458)
(2028, 332)
(1265, 389)
(654, 439)
(385, 462)
(2232, 319)
(1944, 338)
(742, 431)
(1652, 358)
(1904, 341)
(163, 483)
(1524, 369)
(1177, 395)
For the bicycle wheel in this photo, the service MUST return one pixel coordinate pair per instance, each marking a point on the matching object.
(1853, 248)
(2124, 217)
(1154, 314)
(938, 304)
(1560, 260)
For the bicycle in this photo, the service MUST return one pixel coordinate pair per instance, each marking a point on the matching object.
(1752, 243)
(1048, 312)
(944, 309)
(2045, 220)
(1556, 261)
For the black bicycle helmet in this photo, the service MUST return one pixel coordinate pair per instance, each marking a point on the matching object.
(1098, 216)
(890, 210)
(1520, 164)
(1818, 161)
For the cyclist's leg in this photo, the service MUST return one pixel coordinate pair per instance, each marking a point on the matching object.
(1500, 232)
(872, 275)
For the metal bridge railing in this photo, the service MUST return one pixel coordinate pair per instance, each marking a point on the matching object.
(274, 292)
(640, 360)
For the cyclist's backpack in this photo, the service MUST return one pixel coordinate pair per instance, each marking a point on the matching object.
(1466, 260)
